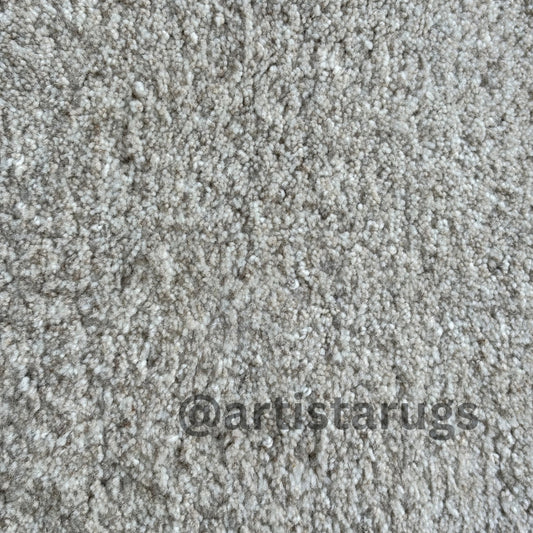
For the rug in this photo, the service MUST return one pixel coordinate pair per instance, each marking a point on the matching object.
(266, 266)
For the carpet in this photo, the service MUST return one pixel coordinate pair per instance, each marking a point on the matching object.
(266, 266)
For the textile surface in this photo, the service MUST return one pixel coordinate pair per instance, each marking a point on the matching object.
(325, 201)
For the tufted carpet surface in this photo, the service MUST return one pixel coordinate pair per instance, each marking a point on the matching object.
(266, 266)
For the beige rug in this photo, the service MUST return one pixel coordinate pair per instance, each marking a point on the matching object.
(310, 209)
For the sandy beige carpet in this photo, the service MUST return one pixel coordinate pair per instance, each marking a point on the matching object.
(329, 203)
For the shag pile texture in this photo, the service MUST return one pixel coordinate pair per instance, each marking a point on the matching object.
(252, 199)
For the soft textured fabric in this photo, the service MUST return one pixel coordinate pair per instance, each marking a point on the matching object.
(261, 199)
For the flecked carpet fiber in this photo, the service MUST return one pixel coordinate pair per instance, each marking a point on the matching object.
(266, 266)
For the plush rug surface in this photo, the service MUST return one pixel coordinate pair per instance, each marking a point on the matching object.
(310, 209)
